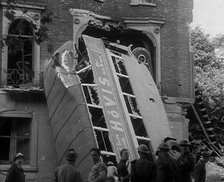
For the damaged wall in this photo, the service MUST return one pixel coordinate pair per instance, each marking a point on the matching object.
(174, 35)
(176, 69)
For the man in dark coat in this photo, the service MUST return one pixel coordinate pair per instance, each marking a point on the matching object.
(68, 171)
(142, 169)
(167, 169)
(15, 172)
(122, 168)
(200, 170)
(186, 161)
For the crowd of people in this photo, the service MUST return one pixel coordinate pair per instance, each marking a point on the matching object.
(174, 163)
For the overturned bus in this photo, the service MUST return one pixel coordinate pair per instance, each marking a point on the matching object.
(101, 91)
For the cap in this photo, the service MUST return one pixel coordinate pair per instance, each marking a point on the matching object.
(18, 155)
(168, 138)
(143, 148)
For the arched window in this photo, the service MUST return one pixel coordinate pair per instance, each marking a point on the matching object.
(20, 53)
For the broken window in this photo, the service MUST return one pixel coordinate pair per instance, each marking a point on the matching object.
(83, 67)
(119, 65)
(103, 140)
(15, 136)
(138, 126)
(84, 70)
(125, 85)
(97, 117)
(20, 53)
(131, 105)
(86, 76)
(91, 94)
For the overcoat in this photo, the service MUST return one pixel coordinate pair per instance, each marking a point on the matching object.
(167, 169)
(67, 173)
(142, 170)
(15, 174)
(200, 171)
(187, 163)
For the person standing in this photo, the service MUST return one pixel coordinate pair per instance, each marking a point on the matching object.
(186, 161)
(123, 165)
(68, 171)
(167, 169)
(98, 171)
(142, 169)
(15, 172)
(175, 150)
(200, 170)
(112, 171)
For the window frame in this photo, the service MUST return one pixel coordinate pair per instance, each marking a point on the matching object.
(32, 166)
(33, 15)
(13, 137)
(20, 70)
(96, 129)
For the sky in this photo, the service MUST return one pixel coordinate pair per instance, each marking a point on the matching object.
(209, 14)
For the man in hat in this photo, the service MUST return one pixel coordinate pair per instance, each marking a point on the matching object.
(142, 169)
(200, 170)
(167, 169)
(98, 171)
(186, 161)
(175, 150)
(15, 172)
(68, 171)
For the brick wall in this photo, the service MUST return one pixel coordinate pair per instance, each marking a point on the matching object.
(184, 64)
(175, 56)
(169, 49)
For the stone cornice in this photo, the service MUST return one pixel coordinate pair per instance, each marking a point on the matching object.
(34, 6)
(144, 20)
(86, 13)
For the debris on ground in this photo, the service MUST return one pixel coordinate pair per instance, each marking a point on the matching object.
(215, 171)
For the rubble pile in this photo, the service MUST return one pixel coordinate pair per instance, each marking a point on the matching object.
(215, 171)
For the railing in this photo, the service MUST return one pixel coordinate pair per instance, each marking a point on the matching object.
(20, 78)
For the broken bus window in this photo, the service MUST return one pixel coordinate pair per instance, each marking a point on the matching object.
(131, 105)
(91, 94)
(119, 65)
(97, 117)
(103, 140)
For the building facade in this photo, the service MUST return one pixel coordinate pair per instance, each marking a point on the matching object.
(159, 35)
